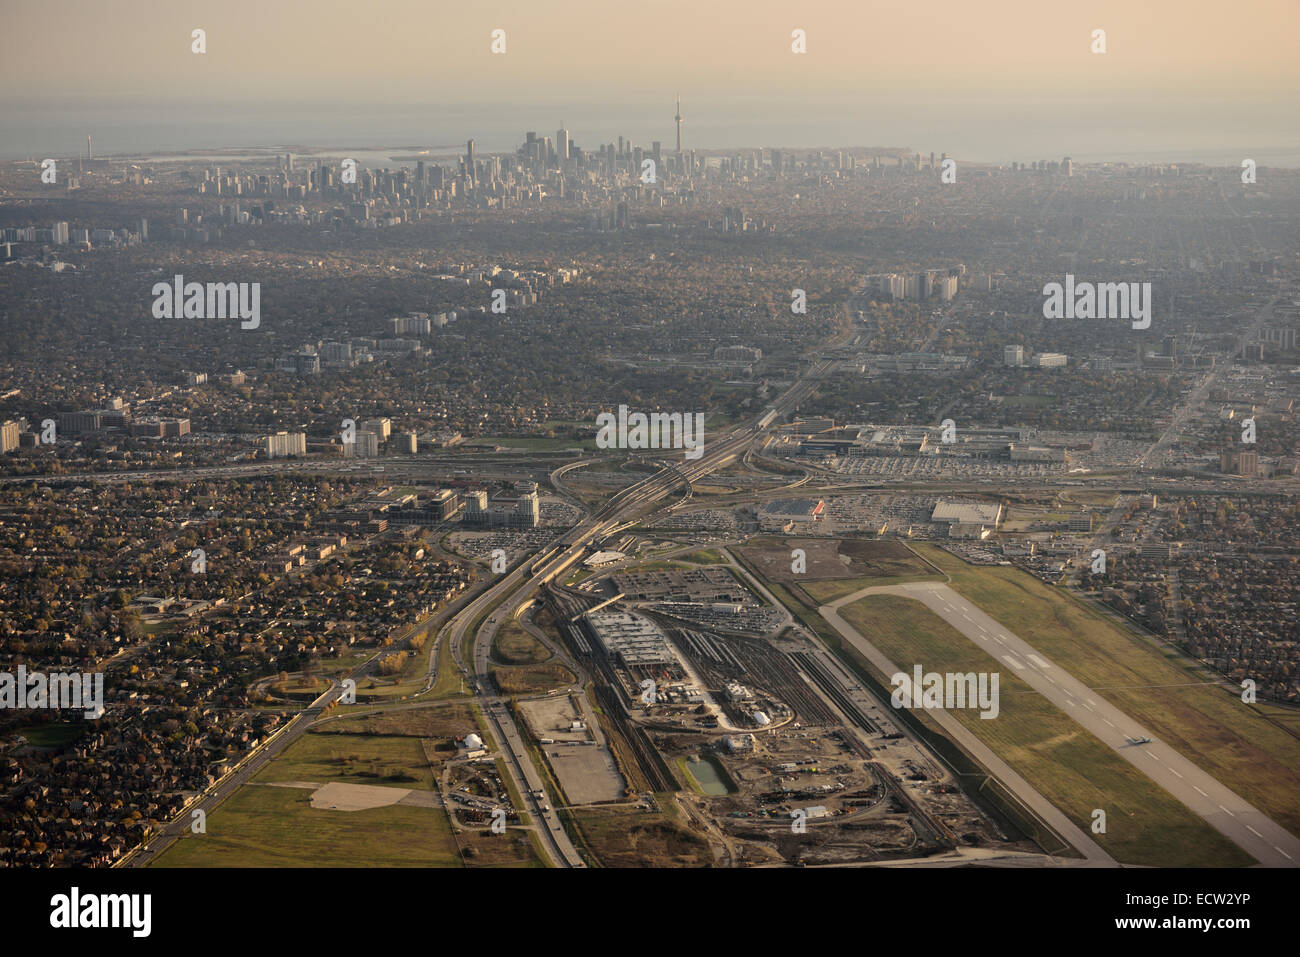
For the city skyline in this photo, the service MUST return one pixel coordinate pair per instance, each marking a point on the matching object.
(707, 437)
(502, 141)
(987, 85)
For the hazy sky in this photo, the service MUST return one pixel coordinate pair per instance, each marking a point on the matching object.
(1231, 68)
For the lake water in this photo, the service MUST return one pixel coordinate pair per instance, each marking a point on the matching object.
(1136, 130)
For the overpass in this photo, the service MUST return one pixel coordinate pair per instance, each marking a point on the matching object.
(516, 586)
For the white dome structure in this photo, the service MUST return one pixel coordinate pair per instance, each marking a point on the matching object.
(473, 742)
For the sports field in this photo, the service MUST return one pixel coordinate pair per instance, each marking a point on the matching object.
(265, 825)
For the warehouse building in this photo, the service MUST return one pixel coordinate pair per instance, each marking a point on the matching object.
(966, 513)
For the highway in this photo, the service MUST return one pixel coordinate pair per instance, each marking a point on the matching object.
(507, 464)
(515, 587)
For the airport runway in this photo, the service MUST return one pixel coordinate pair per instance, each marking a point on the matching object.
(1028, 795)
(1239, 821)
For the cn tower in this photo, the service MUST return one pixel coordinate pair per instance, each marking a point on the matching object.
(678, 118)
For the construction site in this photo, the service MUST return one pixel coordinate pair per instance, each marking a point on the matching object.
(770, 749)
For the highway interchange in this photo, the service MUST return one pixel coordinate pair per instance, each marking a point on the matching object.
(469, 625)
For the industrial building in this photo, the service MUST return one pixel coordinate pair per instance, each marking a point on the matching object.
(633, 641)
(966, 513)
(783, 514)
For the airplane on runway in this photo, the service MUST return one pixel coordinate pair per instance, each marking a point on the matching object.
(1136, 741)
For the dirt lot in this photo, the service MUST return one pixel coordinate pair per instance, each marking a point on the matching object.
(588, 774)
(361, 797)
(551, 718)
(627, 837)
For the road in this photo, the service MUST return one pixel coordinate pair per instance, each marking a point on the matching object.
(1229, 814)
(507, 464)
(145, 854)
(1198, 394)
(516, 586)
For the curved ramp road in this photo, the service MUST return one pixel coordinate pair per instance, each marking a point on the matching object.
(514, 588)
(1235, 818)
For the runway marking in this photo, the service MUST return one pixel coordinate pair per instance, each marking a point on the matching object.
(1175, 774)
(1199, 791)
(1013, 662)
(1090, 702)
(1226, 811)
(1107, 720)
(1038, 661)
(1253, 831)
(1150, 755)
(1283, 853)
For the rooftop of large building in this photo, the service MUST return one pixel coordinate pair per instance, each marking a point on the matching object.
(966, 513)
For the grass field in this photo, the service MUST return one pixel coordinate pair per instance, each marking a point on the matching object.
(705, 556)
(449, 683)
(1096, 498)
(1063, 761)
(828, 560)
(1253, 749)
(834, 568)
(394, 761)
(278, 827)
(532, 679)
(662, 566)
(376, 688)
(512, 645)
(442, 721)
(52, 734)
(261, 826)
(828, 591)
